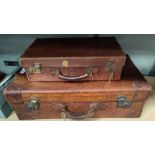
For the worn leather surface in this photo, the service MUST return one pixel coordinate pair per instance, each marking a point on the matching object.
(74, 47)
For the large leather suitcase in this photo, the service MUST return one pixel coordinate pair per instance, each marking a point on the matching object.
(42, 100)
(73, 59)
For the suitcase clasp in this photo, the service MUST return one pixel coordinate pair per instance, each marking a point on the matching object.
(122, 102)
(32, 104)
(36, 68)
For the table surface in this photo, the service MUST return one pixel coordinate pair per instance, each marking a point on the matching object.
(148, 113)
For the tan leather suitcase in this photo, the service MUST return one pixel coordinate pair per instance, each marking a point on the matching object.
(73, 59)
(97, 99)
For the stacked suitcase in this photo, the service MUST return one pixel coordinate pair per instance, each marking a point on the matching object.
(77, 78)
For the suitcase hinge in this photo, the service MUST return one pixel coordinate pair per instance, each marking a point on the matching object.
(36, 68)
(122, 102)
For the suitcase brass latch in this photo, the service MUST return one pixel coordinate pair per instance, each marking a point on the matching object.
(36, 68)
(122, 102)
(32, 104)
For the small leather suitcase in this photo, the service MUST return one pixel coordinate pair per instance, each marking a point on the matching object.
(124, 98)
(73, 59)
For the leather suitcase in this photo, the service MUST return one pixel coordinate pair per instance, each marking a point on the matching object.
(73, 59)
(124, 98)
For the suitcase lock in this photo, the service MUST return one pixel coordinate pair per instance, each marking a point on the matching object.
(32, 104)
(122, 102)
(36, 68)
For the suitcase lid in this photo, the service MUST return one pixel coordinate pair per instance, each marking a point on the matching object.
(132, 86)
(73, 52)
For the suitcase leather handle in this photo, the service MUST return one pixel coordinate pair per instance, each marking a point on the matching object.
(58, 73)
(67, 114)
